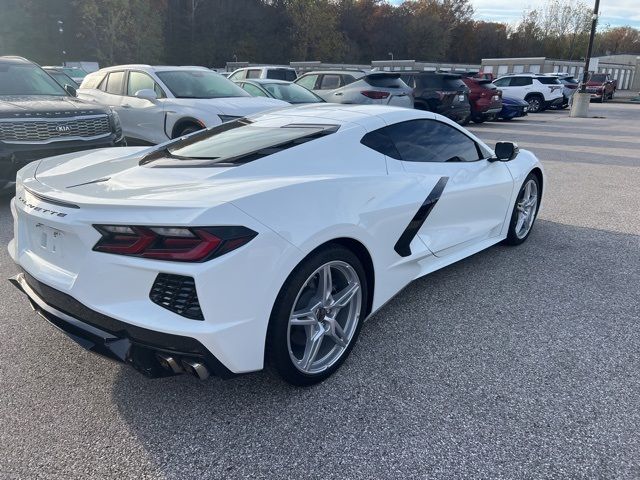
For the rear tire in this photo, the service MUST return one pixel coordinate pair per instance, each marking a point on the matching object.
(536, 103)
(188, 129)
(317, 317)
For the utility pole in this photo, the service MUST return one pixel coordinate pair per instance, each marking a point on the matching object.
(61, 30)
(581, 99)
(594, 23)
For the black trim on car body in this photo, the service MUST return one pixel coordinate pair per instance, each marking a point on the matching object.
(402, 246)
(112, 338)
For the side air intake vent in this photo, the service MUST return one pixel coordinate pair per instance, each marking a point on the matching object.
(178, 294)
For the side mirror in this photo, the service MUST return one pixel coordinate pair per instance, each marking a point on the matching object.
(506, 151)
(71, 90)
(146, 94)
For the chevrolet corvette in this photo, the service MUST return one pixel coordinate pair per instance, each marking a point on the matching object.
(267, 240)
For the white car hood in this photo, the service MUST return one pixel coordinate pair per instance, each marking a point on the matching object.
(234, 106)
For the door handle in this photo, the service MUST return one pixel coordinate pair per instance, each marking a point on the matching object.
(337, 94)
(126, 106)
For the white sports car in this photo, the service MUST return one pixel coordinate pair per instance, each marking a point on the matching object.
(268, 239)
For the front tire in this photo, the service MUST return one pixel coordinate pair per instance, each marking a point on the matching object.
(525, 211)
(536, 103)
(317, 316)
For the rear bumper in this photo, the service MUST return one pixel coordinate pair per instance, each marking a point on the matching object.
(456, 112)
(111, 338)
(14, 156)
(556, 102)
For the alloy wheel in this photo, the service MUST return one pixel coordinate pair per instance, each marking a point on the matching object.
(526, 207)
(534, 105)
(324, 317)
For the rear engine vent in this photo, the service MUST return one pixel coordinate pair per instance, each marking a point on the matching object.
(178, 294)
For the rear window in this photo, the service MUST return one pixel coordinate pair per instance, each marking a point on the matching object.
(329, 82)
(234, 143)
(454, 84)
(548, 80)
(429, 81)
(384, 81)
(281, 74)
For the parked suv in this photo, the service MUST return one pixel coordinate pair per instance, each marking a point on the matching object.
(601, 87)
(157, 104)
(569, 86)
(272, 73)
(484, 98)
(442, 93)
(39, 118)
(355, 86)
(539, 91)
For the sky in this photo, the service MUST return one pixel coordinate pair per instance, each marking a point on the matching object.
(612, 12)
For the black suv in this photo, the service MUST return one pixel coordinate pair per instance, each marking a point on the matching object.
(443, 93)
(39, 118)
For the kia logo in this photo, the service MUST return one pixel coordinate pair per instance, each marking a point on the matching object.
(63, 128)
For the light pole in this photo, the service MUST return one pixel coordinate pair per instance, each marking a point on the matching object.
(581, 99)
(391, 55)
(61, 30)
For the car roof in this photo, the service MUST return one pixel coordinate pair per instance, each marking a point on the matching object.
(338, 72)
(262, 81)
(153, 68)
(275, 67)
(14, 59)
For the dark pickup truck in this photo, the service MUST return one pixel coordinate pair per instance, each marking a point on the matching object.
(40, 118)
(601, 87)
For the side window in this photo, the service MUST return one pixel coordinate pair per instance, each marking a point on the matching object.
(254, 73)
(253, 90)
(92, 80)
(140, 81)
(379, 141)
(347, 79)
(520, 81)
(330, 82)
(308, 82)
(431, 141)
(114, 83)
(502, 82)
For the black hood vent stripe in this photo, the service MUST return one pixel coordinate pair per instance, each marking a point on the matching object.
(402, 246)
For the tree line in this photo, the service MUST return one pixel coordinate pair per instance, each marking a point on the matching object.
(213, 32)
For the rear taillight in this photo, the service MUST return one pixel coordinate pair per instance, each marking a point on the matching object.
(375, 94)
(179, 244)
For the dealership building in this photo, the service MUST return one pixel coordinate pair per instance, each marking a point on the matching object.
(623, 68)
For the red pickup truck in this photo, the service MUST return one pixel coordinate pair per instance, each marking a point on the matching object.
(601, 87)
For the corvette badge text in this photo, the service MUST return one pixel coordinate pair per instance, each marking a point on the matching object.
(40, 209)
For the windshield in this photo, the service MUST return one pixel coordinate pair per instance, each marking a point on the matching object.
(292, 93)
(200, 84)
(27, 79)
(62, 79)
(598, 77)
(74, 72)
(234, 143)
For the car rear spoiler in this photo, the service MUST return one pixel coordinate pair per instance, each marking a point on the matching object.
(381, 75)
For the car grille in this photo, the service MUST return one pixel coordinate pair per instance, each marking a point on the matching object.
(46, 130)
(178, 294)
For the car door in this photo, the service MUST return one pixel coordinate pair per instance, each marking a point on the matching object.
(144, 118)
(326, 86)
(469, 194)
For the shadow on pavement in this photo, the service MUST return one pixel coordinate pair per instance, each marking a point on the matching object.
(517, 362)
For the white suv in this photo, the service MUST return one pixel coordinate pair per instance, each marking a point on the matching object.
(157, 104)
(539, 91)
(272, 73)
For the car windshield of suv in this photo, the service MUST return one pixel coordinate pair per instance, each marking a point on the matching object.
(62, 79)
(598, 77)
(200, 84)
(292, 93)
(27, 79)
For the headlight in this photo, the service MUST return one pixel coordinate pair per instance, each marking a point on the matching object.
(228, 118)
(114, 118)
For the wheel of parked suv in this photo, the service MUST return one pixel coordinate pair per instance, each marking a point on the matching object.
(478, 118)
(317, 316)
(524, 211)
(536, 103)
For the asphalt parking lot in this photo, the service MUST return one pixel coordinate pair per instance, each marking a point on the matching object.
(515, 363)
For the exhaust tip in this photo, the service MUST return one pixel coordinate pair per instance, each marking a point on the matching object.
(169, 363)
(196, 369)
